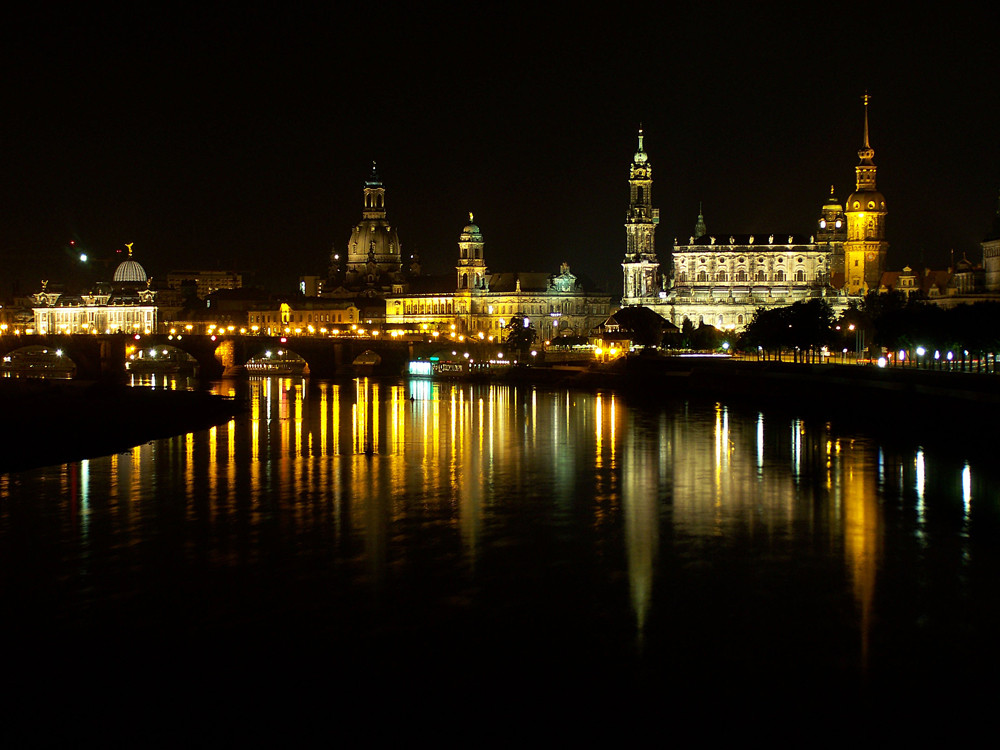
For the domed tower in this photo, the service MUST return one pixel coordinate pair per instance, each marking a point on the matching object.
(640, 267)
(471, 268)
(865, 248)
(129, 275)
(373, 251)
(832, 231)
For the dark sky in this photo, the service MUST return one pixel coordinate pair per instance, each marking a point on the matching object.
(239, 137)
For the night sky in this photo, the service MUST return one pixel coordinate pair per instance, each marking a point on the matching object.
(239, 138)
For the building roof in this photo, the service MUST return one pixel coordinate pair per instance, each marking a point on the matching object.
(530, 281)
(763, 241)
(130, 272)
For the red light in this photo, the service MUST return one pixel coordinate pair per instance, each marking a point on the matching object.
(283, 340)
(137, 337)
(213, 337)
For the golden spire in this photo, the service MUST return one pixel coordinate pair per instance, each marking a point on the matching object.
(865, 100)
(470, 217)
(867, 152)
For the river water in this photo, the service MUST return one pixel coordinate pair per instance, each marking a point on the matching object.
(423, 543)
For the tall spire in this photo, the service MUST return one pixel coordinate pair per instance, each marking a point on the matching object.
(865, 248)
(866, 167)
(700, 230)
(640, 154)
(866, 153)
(865, 100)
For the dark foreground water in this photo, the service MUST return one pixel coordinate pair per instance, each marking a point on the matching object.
(443, 552)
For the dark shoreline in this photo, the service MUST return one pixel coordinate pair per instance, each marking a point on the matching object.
(53, 422)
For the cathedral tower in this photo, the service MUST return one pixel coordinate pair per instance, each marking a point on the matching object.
(640, 267)
(865, 249)
(471, 266)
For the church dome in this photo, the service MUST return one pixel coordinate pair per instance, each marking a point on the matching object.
(471, 232)
(130, 272)
(377, 238)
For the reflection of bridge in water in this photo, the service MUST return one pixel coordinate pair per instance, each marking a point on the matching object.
(103, 356)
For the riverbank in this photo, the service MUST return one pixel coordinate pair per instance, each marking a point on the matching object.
(50, 422)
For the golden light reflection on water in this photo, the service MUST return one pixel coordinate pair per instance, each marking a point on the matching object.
(379, 467)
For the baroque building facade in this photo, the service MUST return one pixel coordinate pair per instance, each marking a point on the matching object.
(723, 279)
(481, 302)
(126, 305)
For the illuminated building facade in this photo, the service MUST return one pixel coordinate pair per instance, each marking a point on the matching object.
(127, 305)
(484, 302)
(722, 280)
(865, 249)
(304, 317)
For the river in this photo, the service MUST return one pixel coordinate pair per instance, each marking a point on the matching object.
(424, 542)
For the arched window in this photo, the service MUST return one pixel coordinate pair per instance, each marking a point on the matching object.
(702, 276)
(721, 276)
(761, 276)
(741, 275)
(779, 275)
(800, 275)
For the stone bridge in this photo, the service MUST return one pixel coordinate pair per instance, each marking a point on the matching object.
(103, 356)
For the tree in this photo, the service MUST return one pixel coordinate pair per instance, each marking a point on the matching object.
(519, 335)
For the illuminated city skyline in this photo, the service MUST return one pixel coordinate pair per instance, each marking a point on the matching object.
(241, 142)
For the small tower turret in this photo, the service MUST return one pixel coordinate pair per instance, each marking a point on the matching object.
(471, 267)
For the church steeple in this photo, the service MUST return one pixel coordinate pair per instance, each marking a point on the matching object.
(865, 249)
(640, 267)
(866, 168)
(374, 196)
(700, 230)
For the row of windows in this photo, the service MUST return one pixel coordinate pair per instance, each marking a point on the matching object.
(719, 321)
(340, 317)
(436, 307)
(439, 307)
(743, 276)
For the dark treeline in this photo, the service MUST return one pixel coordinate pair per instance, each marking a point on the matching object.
(881, 322)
